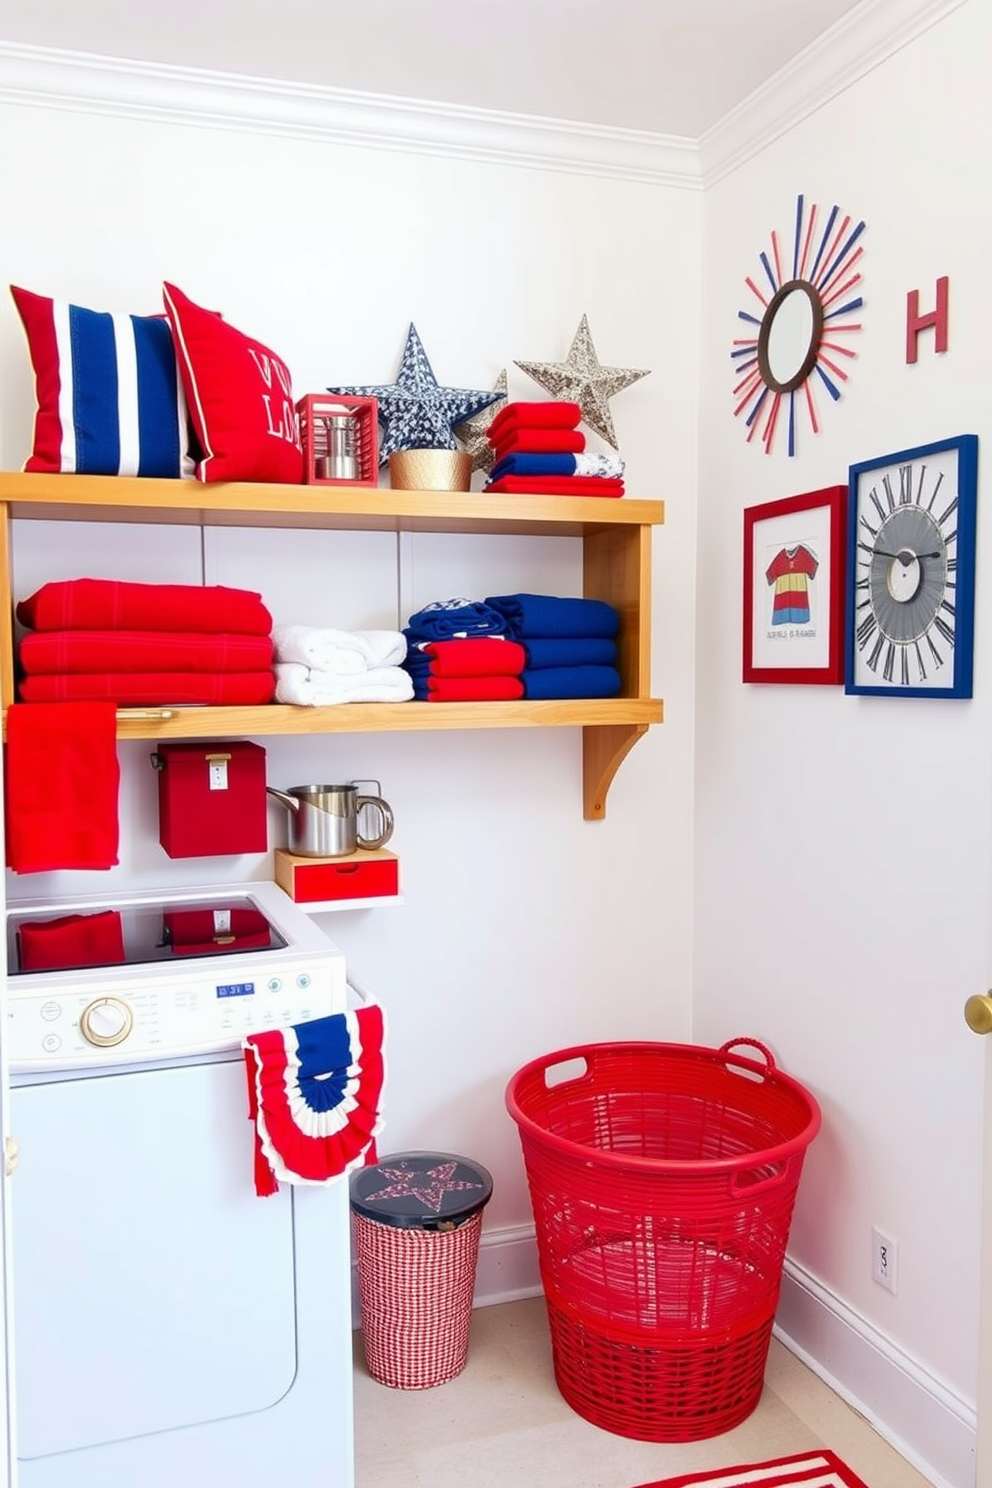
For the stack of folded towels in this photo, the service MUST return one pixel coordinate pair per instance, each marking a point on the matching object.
(144, 645)
(537, 449)
(317, 666)
(569, 644)
(458, 652)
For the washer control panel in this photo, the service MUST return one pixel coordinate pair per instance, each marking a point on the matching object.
(163, 1016)
(190, 1005)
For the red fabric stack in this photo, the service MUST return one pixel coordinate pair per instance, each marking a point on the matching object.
(535, 446)
(145, 645)
(469, 670)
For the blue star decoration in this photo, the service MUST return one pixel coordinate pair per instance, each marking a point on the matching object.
(414, 412)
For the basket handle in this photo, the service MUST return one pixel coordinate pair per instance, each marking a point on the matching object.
(763, 1049)
(739, 1189)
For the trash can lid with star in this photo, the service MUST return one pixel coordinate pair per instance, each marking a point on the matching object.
(421, 1190)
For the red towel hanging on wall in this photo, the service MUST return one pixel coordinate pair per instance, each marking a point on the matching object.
(61, 785)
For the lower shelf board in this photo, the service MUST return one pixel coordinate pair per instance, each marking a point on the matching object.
(610, 726)
(181, 722)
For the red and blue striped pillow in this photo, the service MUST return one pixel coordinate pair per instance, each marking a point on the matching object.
(110, 400)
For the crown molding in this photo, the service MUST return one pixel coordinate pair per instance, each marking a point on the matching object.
(46, 78)
(159, 92)
(856, 44)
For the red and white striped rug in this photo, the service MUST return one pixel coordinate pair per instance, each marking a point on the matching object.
(808, 1470)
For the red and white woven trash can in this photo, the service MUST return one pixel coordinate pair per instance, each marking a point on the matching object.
(417, 1219)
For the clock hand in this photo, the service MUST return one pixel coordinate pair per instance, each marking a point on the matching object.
(881, 553)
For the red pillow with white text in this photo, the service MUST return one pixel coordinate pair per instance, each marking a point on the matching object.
(240, 397)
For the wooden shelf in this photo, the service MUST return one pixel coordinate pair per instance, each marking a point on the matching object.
(100, 498)
(616, 536)
(367, 718)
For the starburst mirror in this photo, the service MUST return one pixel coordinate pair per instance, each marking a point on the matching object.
(797, 345)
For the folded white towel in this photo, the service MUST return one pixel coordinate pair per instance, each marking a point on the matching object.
(310, 688)
(343, 653)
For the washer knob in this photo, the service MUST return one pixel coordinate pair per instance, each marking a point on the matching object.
(106, 1021)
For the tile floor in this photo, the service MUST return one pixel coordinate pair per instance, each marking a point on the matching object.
(502, 1422)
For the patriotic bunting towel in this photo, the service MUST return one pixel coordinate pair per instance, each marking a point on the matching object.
(313, 1094)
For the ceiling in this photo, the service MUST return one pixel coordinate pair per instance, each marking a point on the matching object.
(672, 67)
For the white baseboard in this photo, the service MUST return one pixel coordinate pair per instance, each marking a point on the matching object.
(925, 1421)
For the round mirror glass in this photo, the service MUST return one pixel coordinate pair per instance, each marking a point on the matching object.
(790, 336)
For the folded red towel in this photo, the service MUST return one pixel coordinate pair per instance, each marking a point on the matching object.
(482, 656)
(142, 651)
(558, 485)
(473, 689)
(557, 414)
(71, 940)
(152, 689)
(114, 604)
(61, 784)
(539, 441)
(205, 932)
(198, 926)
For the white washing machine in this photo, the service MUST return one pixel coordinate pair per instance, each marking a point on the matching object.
(171, 1328)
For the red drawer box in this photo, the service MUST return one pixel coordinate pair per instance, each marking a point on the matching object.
(364, 874)
(211, 798)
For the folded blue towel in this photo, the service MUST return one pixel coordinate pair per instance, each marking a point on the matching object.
(537, 462)
(560, 651)
(534, 464)
(452, 617)
(544, 615)
(571, 682)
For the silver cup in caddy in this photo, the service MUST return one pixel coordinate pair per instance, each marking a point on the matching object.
(324, 820)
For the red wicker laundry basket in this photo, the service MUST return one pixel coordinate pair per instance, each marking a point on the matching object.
(663, 1179)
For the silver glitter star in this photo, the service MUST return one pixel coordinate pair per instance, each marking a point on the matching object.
(415, 413)
(580, 379)
(472, 432)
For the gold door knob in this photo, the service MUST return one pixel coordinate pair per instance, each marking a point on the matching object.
(11, 1154)
(978, 1013)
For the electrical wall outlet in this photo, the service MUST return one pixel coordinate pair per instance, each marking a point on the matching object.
(884, 1259)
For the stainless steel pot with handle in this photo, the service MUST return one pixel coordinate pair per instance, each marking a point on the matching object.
(324, 820)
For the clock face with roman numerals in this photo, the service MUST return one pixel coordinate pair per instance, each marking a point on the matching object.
(911, 571)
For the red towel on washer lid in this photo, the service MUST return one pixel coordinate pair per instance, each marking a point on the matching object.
(71, 940)
(61, 783)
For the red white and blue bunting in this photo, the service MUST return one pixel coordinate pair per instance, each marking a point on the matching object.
(313, 1094)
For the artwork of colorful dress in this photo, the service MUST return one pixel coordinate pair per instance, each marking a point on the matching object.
(791, 571)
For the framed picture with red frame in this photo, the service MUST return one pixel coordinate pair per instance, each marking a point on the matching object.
(794, 579)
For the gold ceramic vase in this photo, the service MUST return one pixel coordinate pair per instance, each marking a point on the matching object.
(430, 470)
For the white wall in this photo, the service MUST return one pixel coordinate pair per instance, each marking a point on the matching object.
(524, 928)
(843, 844)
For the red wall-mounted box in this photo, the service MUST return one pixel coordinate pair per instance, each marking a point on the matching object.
(211, 798)
(367, 874)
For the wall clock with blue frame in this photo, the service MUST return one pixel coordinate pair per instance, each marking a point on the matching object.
(909, 628)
